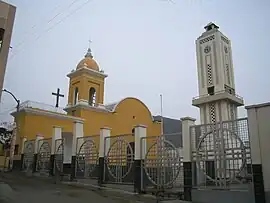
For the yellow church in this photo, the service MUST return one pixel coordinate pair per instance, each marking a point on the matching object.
(86, 104)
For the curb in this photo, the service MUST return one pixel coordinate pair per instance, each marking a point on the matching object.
(121, 194)
(116, 193)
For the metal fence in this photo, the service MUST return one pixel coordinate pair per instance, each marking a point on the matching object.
(59, 156)
(29, 147)
(87, 154)
(221, 155)
(44, 156)
(162, 167)
(119, 159)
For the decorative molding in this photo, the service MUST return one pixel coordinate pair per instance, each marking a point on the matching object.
(47, 113)
(188, 119)
(207, 39)
(83, 106)
(87, 71)
(83, 102)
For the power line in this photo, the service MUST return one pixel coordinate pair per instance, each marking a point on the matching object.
(34, 26)
(50, 28)
(48, 21)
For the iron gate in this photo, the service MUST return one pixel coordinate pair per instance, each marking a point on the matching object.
(59, 156)
(29, 147)
(221, 154)
(119, 159)
(162, 167)
(44, 156)
(87, 154)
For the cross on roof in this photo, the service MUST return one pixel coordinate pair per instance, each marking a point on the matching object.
(58, 95)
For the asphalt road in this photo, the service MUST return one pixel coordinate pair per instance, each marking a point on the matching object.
(32, 190)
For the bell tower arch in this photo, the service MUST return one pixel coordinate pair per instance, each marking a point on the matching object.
(86, 86)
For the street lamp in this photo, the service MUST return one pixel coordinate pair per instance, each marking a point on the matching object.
(17, 100)
(13, 140)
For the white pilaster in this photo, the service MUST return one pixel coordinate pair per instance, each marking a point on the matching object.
(38, 142)
(77, 132)
(259, 130)
(23, 144)
(57, 134)
(140, 143)
(187, 145)
(104, 142)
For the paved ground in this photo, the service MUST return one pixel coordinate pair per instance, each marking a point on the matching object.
(32, 190)
(17, 187)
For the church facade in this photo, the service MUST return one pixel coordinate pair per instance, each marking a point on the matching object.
(85, 104)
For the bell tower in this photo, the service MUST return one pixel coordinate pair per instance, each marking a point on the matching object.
(217, 98)
(86, 86)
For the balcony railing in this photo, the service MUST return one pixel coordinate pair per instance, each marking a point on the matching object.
(42, 106)
(216, 93)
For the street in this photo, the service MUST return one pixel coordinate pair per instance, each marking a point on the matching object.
(33, 190)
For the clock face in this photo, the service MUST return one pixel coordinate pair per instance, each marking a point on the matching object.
(207, 49)
(226, 49)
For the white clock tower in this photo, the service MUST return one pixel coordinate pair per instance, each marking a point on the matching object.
(217, 98)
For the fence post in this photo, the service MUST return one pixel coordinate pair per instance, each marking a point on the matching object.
(77, 132)
(56, 134)
(140, 132)
(36, 150)
(104, 145)
(22, 152)
(187, 162)
(259, 131)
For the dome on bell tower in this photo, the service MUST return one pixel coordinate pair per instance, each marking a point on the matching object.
(88, 61)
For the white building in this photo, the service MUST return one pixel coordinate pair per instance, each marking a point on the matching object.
(217, 98)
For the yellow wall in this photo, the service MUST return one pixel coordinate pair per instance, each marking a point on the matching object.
(129, 113)
(38, 124)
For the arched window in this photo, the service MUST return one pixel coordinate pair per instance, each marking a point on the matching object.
(133, 131)
(92, 96)
(76, 95)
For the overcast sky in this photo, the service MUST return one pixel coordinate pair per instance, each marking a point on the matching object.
(147, 47)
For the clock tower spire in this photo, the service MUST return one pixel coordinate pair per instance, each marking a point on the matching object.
(217, 98)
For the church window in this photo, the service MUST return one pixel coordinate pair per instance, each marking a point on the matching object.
(211, 90)
(76, 95)
(133, 131)
(2, 31)
(73, 113)
(92, 96)
(16, 150)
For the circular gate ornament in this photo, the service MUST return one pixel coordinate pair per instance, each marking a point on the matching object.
(59, 157)
(28, 155)
(226, 150)
(44, 156)
(162, 163)
(120, 159)
(87, 157)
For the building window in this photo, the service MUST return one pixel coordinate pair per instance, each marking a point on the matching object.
(16, 150)
(211, 90)
(76, 95)
(73, 113)
(2, 32)
(92, 96)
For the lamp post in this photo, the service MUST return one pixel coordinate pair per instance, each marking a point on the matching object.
(13, 139)
(17, 100)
